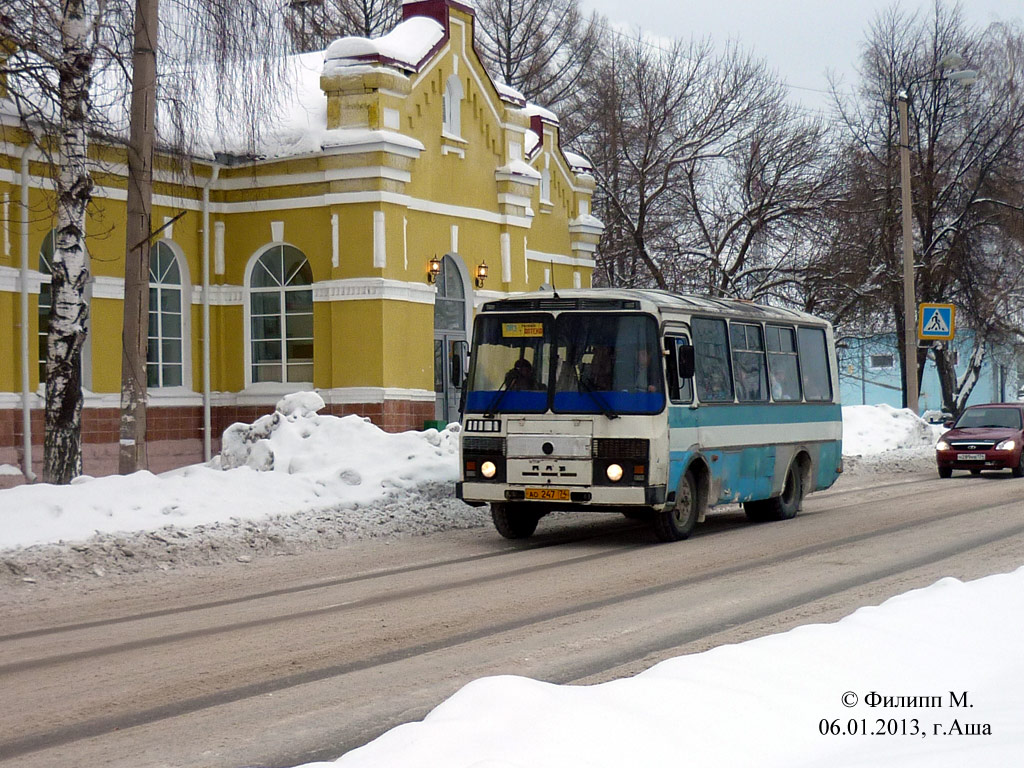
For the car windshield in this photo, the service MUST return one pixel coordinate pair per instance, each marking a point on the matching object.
(976, 418)
(575, 363)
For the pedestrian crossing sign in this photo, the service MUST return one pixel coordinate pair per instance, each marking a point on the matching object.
(936, 322)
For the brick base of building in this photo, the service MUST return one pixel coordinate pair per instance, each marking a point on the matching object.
(175, 434)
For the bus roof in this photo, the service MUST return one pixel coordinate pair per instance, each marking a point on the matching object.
(595, 299)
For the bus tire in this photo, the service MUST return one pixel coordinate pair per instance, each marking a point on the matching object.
(677, 523)
(514, 522)
(783, 507)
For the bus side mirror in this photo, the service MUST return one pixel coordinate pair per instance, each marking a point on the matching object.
(460, 352)
(685, 361)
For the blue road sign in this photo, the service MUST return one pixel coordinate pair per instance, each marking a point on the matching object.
(936, 322)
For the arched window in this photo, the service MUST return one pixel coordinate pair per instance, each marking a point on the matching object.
(281, 316)
(453, 106)
(545, 186)
(45, 297)
(164, 359)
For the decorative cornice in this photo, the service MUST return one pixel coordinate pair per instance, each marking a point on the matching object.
(373, 289)
(10, 280)
(220, 295)
(104, 287)
(558, 258)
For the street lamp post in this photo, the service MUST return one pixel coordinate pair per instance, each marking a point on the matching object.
(910, 382)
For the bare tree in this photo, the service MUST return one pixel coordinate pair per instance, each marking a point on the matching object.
(965, 158)
(67, 76)
(542, 48)
(752, 214)
(314, 24)
(700, 166)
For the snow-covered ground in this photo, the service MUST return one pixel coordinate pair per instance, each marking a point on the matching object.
(296, 480)
(813, 696)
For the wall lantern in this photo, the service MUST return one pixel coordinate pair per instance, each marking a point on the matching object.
(433, 269)
(481, 274)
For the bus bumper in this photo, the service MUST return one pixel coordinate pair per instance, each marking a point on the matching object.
(477, 494)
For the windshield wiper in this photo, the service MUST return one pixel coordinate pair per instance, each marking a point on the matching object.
(595, 396)
(496, 400)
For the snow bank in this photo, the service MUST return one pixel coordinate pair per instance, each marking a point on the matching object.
(295, 460)
(763, 702)
(286, 462)
(874, 429)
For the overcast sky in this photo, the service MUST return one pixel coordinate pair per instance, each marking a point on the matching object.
(802, 39)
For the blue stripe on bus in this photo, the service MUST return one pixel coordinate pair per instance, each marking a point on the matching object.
(730, 415)
(746, 473)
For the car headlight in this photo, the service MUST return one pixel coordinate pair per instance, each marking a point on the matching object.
(1006, 445)
(614, 472)
(942, 445)
(487, 469)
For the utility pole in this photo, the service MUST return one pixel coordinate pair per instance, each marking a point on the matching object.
(909, 292)
(135, 333)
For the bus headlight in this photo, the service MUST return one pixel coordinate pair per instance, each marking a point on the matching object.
(614, 472)
(487, 469)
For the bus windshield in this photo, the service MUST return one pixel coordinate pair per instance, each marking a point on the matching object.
(580, 363)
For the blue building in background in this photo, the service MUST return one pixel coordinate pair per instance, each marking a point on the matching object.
(869, 373)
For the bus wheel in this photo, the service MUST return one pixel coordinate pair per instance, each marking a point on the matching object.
(514, 522)
(677, 523)
(781, 507)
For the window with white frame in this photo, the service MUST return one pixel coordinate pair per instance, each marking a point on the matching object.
(164, 356)
(281, 316)
(545, 186)
(45, 297)
(452, 104)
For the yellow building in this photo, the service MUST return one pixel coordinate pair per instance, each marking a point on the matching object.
(403, 189)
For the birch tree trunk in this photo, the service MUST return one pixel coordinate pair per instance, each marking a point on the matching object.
(62, 447)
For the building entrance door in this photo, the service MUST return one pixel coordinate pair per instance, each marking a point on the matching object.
(450, 341)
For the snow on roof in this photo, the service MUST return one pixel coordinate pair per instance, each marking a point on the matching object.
(535, 110)
(532, 142)
(520, 168)
(408, 44)
(508, 93)
(577, 162)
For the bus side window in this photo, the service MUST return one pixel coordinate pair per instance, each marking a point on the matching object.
(680, 390)
(748, 363)
(783, 367)
(814, 368)
(713, 376)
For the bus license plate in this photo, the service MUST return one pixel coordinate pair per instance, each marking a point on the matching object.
(548, 494)
(970, 457)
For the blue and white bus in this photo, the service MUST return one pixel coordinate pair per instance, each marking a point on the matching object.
(648, 403)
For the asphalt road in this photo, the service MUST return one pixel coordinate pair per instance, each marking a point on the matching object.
(291, 659)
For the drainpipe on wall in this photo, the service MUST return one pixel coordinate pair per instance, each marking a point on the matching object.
(207, 421)
(26, 408)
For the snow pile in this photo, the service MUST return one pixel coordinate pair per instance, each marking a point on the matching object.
(765, 702)
(873, 429)
(290, 461)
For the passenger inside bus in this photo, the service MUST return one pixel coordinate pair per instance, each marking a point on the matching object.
(520, 376)
(598, 375)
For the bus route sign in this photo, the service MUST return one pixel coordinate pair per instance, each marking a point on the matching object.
(936, 322)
